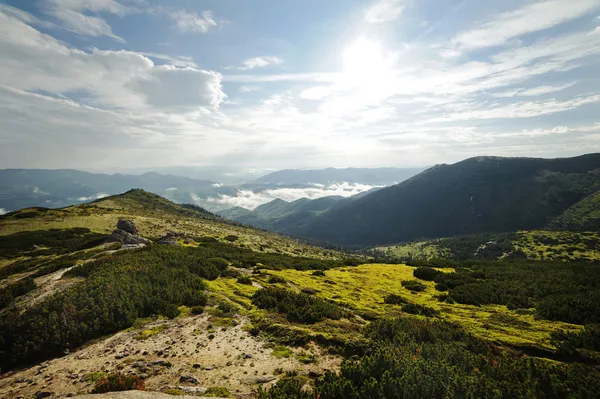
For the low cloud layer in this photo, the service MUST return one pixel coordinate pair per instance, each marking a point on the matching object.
(250, 200)
(3, 211)
(93, 197)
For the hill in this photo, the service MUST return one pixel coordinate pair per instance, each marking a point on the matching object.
(484, 194)
(218, 309)
(282, 216)
(372, 176)
(21, 188)
(584, 215)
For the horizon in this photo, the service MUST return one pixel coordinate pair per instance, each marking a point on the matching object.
(372, 83)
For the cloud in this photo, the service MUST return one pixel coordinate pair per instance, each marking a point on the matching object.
(72, 15)
(171, 189)
(534, 91)
(34, 61)
(3, 211)
(533, 17)
(190, 21)
(384, 11)
(250, 199)
(249, 89)
(259, 62)
(93, 197)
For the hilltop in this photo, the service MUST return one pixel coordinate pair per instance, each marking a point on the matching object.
(483, 194)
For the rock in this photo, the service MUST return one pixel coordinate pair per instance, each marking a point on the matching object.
(140, 365)
(169, 239)
(197, 366)
(43, 394)
(259, 379)
(119, 235)
(128, 226)
(189, 378)
(161, 363)
(247, 356)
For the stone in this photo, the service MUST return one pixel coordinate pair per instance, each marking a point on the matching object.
(189, 379)
(119, 235)
(43, 394)
(128, 226)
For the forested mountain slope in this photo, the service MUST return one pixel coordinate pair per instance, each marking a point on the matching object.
(483, 194)
(584, 215)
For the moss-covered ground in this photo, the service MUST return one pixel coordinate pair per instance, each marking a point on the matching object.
(362, 290)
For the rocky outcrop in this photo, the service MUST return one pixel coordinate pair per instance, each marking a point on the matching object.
(138, 395)
(128, 226)
(126, 233)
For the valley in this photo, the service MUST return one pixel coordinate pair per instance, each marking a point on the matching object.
(134, 291)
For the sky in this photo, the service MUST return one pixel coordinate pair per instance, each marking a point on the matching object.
(279, 84)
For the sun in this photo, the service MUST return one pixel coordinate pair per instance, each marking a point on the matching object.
(365, 59)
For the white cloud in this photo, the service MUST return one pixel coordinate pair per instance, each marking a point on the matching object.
(384, 11)
(532, 17)
(34, 61)
(93, 197)
(3, 211)
(171, 189)
(71, 15)
(249, 89)
(259, 62)
(534, 91)
(190, 21)
(250, 200)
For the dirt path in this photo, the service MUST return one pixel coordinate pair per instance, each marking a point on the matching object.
(173, 351)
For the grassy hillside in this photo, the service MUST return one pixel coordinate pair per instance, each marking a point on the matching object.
(584, 215)
(485, 194)
(240, 310)
(154, 217)
(532, 245)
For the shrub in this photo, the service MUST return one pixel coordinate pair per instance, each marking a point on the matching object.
(119, 382)
(393, 299)
(422, 310)
(244, 280)
(319, 273)
(281, 352)
(286, 388)
(276, 280)
(298, 307)
(231, 238)
(198, 309)
(414, 285)
(219, 392)
(426, 273)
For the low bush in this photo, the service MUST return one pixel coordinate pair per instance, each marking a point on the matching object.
(119, 382)
(414, 285)
(244, 280)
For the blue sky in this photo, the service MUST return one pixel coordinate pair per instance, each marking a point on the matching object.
(292, 84)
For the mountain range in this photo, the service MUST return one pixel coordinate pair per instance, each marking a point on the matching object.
(482, 194)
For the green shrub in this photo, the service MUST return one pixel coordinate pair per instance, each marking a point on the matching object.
(422, 310)
(393, 299)
(318, 273)
(220, 392)
(231, 238)
(298, 307)
(119, 382)
(276, 280)
(244, 280)
(414, 285)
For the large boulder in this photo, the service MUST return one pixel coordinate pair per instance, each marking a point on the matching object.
(128, 226)
(123, 236)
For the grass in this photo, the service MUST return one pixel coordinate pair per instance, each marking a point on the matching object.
(364, 288)
(282, 352)
(94, 377)
(155, 221)
(145, 334)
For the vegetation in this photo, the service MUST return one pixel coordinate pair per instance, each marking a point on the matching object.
(220, 392)
(8, 293)
(119, 382)
(413, 285)
(414, 358)
(48, 242)
(298, 307)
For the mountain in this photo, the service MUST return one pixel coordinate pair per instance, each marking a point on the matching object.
(204, 306)
(282, 216)
(584, 215)
(20, 188)
(483, 194)
(371, 176)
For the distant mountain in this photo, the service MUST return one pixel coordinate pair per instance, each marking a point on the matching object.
(20, 188)
(282, 216)
(483, 194)
(371, 176)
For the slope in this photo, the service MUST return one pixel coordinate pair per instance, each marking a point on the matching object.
(374, 176)
(484, 194)
(584, 215)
